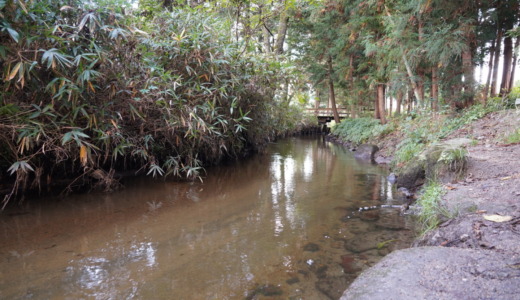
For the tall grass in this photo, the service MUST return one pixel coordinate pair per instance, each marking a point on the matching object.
(432, 211)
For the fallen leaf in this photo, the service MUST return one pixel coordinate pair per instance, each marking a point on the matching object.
(497, 218)
(481, 211)
(449, 187)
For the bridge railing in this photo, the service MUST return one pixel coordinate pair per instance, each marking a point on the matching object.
(327, 112)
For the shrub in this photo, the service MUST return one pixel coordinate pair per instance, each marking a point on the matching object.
(360, 130)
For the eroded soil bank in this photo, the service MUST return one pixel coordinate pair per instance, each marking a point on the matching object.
(475, 255)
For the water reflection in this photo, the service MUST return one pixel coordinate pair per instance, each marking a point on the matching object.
(106, 276)
(246, 227)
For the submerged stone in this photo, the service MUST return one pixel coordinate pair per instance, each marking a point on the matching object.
(292, 280)
(266, 290)
(367, 241)
(366, 152)
(333, 287)
(311, 247)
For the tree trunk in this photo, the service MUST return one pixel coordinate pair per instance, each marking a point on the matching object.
(506, 70)
(377, 111)
(495, 64)
(390, 107)
(435, 89)
(381, 102)
(267, 39)
(317, 102)
(247, 25)
(420, 88)
(239, 11)
(469, 71)
(399, 102)
(282, 31)
(332, 96)
(410, 100)
(490, 70)
(469, 79)
(513, 65)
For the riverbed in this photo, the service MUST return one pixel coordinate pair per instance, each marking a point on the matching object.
(283, 224)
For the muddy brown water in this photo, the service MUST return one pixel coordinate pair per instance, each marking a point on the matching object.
(285, 224)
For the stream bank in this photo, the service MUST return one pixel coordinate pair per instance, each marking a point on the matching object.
(475, 255)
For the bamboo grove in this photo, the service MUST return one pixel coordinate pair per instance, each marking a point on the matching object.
(94, 88)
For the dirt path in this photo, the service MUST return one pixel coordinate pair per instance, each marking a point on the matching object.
(477, 254)
(491, 188)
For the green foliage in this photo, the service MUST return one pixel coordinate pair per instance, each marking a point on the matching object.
(432, 211)
(513, 138)
(90, 88)
(455, 159)
(360, 130)
(406, 151)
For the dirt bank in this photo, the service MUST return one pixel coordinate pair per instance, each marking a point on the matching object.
(477, 254)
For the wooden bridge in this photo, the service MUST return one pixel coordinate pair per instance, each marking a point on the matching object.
(326, 115)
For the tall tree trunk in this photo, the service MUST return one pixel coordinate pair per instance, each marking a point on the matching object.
(420, 88)
(468, 67)
(410, 100)
(282, 31)
(490, 70)
(267, 39)
(390, 106)
(508, 60)
(381, 102)
(353, 110)
(399, 102)
(513, 65)
(377, 111)
(494, 79)
(239, 12)
(317, 102)
(469, 79)
(435, 89)
(247, 24)
(332, 96)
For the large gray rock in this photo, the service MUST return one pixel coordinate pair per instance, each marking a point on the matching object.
(439, 273)
(435, 162)
(366, 152)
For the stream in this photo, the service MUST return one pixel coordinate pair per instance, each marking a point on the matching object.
(285, 224)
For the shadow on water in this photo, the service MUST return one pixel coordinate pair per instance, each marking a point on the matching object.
(285, 224)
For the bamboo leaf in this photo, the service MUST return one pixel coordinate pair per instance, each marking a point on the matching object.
(14, 71)
(83, 155)
(14, 34)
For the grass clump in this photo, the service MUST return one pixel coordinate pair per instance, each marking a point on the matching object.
(455, 159)
(513, 138)
(360, 130)
(432, 211)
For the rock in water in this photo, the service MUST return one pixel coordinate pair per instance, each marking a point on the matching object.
(366, 152)
(311, 247)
